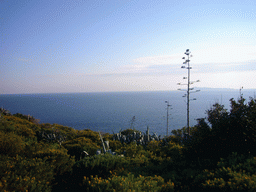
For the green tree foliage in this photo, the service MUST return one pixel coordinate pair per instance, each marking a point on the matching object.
(227, 132)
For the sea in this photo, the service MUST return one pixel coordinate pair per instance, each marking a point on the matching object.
(110, 112)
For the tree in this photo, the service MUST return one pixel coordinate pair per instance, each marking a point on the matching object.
(216, 116)
(225, 132)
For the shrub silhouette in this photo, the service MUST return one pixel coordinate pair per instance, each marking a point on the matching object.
(233, 131)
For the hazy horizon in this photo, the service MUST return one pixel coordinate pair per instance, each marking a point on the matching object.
(116, 46)
(196, 88)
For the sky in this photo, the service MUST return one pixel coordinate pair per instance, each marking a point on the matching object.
(108, 46)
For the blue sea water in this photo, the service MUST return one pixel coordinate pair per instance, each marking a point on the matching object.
(112, 111)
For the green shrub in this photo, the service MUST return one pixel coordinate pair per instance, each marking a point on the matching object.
(236, 173)
(115, 145)
(130, 150)
(27, 117)
(68, 132)
(11, 144)
(99, 165)
(87, 133)
(25, 174)
(6, 126)
(59, 159)
(20, 121)
(76, 146)
(127, 183)
(155, 147)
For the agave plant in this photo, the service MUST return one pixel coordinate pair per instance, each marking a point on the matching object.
(52, 136)
(4, 111)
(138, 137)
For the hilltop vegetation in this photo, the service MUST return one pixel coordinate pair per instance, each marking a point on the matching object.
(220, 154)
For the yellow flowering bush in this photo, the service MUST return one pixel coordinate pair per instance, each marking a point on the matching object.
(155, 147)
(20, 174)
(11, 144)
(236, 173)
(59, 160)
(87, 133)
(21, 127)
(166, 149)
(26, 127)
(127, 183)
(115, 145)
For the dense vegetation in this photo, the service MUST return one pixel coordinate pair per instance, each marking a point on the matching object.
(220, 154)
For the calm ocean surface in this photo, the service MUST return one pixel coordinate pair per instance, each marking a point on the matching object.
(108, 112)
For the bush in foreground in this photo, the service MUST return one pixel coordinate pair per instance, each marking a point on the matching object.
(127, 183)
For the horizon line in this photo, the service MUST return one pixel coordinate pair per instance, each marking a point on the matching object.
(233, 89)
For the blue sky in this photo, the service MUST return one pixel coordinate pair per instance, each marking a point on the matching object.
(99, 46)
